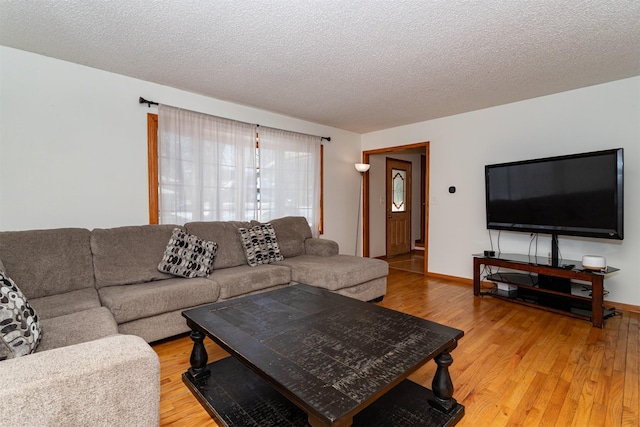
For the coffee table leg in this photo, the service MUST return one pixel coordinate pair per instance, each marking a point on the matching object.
(199, 356)
(442, 386)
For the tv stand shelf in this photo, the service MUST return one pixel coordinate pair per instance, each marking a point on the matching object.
(568, 289)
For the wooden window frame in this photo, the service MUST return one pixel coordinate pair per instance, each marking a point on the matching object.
(152, 158)
(152, 154)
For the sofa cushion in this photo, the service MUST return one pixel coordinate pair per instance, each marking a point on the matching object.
(225, 234)
(110, 382)
(260, 244)
(136, 301)
(125, 255)
(20, 331)
(158, 327)
(291, 231)
(76, 328)
(187, 255)
(245, 279)
(335, 272)
(48, 262)
(66, 303)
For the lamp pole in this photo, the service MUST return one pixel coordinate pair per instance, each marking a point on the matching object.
(361, 168)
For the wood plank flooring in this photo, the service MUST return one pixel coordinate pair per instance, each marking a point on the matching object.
(515, 366)
(412, 262)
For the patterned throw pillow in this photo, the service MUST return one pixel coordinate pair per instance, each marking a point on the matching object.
(260, 244)
(187, 255)
(20, 330)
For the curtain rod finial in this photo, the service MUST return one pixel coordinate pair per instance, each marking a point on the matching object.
(141, 100)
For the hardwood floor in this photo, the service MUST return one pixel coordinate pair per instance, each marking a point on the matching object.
(412, 262)
(515, 365)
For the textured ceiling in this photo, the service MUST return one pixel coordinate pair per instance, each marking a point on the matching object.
(360, 65)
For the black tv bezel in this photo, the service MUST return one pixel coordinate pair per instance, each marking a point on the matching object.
(616, 234)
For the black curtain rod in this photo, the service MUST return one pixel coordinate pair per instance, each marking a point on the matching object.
(141, 100)
(322, 138)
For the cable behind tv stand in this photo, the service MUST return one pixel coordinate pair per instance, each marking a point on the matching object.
(567, 288)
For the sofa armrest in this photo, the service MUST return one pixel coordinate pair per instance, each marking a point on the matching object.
(107, 382)
(321, 247)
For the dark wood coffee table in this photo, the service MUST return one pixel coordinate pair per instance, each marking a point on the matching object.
(302, 355)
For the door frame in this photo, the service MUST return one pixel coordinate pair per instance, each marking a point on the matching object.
(365, 197)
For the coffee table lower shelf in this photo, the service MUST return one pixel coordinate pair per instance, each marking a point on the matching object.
(235, 396)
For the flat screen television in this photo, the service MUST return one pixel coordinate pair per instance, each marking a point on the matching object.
(575, 195)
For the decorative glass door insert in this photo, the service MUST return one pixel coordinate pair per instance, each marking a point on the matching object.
(399, 190)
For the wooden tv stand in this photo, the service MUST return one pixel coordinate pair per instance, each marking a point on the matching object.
(529, 292)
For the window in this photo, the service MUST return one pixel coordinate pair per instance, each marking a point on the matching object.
(289, 175)
(274, 193)
(206, 168)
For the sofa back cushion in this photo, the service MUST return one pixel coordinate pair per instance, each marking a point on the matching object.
(291, 232)
(225, 234)
(131, 254)
(48, 262)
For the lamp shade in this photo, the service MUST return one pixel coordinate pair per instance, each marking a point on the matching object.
(362, 167)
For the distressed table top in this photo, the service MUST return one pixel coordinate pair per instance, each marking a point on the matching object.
(330, 355)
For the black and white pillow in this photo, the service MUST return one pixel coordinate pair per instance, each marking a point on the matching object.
(260, 244)
(187, 255)
(20, 331)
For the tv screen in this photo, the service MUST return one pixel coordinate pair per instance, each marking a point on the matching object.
(577, 195)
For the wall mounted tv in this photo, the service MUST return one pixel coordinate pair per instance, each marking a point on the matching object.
(575, 195)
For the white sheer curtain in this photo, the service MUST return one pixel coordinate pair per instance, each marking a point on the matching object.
(206, 167)
(289, 176)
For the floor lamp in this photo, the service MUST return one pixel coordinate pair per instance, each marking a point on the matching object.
(362, 168)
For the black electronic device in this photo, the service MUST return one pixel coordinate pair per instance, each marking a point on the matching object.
(575, 195)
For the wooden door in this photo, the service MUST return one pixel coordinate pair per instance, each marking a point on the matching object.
(398, 206)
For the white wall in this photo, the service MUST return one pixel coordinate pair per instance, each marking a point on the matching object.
(593, 118)
(73, 147)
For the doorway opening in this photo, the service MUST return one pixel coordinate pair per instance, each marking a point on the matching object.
(372, 230)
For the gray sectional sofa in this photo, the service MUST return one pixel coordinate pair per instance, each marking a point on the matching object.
(101, 299)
